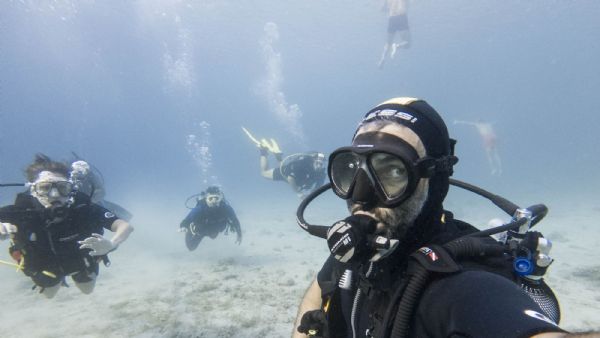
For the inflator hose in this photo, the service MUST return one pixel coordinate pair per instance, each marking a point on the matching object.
(315, 230)
(12, 184)
(463, 247)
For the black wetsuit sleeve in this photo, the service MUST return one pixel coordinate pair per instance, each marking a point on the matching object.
(479, 304)
(193, 215)
(100, 216)
(9, 214)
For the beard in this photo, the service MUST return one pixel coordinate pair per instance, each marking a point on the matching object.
(394, 222)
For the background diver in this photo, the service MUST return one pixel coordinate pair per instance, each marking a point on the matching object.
(211, 216)
(56, 231)
(394, 177)
(304, 172)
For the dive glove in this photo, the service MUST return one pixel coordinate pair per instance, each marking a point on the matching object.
(314, 324)
(348, 239)
(98, 245)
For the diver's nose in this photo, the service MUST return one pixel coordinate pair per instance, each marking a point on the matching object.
(363, 192)
(53, 193)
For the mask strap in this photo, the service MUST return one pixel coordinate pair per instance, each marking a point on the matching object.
(429, 166)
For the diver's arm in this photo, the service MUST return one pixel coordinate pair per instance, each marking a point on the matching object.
(264, 165)
(235, 224)
(122, 230)
(193, 214)
(311, 301)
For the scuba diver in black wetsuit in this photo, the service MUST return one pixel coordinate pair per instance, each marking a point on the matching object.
(304, 172)
(402, 266)
(56, 231)
(211, 216)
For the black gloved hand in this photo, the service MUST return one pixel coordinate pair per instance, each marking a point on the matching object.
(314, 324)
(348, 239)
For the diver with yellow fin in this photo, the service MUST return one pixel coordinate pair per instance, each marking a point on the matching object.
(302, 171)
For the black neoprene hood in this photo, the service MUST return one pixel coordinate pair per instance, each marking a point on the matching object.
(421, 118)
(429, 126)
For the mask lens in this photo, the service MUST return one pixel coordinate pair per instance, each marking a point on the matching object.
(391, 173)
(344, 167)
(213, 198)
(43, 188)
(64, 188)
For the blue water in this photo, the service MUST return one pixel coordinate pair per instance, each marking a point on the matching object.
(125, 83)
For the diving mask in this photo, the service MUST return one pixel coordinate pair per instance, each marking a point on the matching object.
(51, 189)
(388, 164)
(213, 200)
(64, 188)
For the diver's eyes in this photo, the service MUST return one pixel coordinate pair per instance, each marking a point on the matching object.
(391, 172)
(396, 172)
(43, 188)
(213, 198)
(64, 188)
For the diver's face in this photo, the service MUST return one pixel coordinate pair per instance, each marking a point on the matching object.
(397, 219)
(51, 189)
(213, 200)
(400, 218)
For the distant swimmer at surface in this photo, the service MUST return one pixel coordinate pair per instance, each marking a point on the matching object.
(489, 140)
(397, 11)
(56, 231)
(211, 216)
(304, 172)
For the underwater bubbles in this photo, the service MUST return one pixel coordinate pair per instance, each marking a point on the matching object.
(271, 86)
(177, 60)
(198, 145)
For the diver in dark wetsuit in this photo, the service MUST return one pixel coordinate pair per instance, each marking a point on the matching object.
(56, 231)
(211, 216)
(303, 172)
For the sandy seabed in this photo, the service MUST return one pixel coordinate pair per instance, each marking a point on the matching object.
(156, 288)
